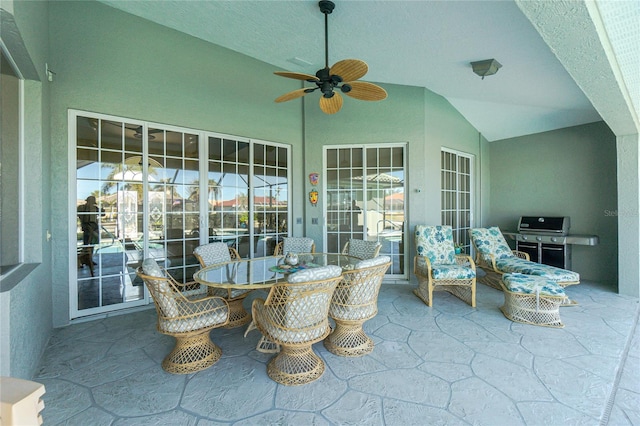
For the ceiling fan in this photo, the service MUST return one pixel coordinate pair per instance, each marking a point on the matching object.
(342, 75)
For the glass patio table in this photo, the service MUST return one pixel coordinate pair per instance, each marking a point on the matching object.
(262, 273)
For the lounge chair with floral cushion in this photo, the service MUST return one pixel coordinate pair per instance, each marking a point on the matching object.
(294, 245)
(362, 249)
(218, 252)
(354, 302)
(496, 258)
(188, 316)
(295, 316)
(438, 267)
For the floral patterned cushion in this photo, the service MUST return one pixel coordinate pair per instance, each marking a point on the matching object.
(452, 272)
(296, 245)
(436, 243)
(363, 249)
(522, 266)
(489, 241)
(213, 253)
(531, 284)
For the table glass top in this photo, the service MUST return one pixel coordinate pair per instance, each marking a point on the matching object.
(263, 272)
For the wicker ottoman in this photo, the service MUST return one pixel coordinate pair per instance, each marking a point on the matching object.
(531, 299)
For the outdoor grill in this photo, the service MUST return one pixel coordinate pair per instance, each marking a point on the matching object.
(547, 240)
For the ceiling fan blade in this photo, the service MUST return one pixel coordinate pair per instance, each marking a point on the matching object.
(292, 95)
(331, 105)
(296, 75)
(349, 69)
(366, 91)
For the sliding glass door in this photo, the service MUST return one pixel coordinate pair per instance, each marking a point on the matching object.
(138, 194)
(365, 194)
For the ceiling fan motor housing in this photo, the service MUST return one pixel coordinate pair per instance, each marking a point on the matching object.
(326, 6)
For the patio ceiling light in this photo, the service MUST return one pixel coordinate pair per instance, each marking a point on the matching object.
(486, 67)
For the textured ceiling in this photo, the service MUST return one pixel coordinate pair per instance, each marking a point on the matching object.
(418, 43)
(621, 20)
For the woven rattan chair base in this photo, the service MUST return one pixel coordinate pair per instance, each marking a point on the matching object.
(524, 308)
(348, 339)
(462, 292)
(295, 366)
(491, 279)
(238, 315)
(192, 353)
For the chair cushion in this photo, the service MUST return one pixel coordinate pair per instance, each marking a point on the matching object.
(151, 268)
(315, 274)
(290, 331)
(436, 243)
(296, 245)
(160, 289)
(367, 263)
(452, 272)
(523, 266)
(362, 249)
(531, 284)
(195, 323)
(489, 241)
(355, 296)
(213, 253)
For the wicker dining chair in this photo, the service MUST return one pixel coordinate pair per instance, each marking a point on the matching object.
(354, 302)
(186, 316)
(211, 254)
(295, 316)
(437, 267)
(295, 245)
(362, 249)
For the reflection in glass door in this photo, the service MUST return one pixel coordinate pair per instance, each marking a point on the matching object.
(139, 195)
(365, 195)
(237, 168)
(109, 189)
(173, 201)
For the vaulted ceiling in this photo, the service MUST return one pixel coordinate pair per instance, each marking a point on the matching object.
(417, 43)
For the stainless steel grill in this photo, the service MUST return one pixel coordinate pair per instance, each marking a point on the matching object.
(547, 240)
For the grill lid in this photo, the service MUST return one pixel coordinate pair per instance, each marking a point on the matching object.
(544, 225)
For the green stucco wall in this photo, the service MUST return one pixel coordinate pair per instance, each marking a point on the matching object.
(567, 172)
(26, 317)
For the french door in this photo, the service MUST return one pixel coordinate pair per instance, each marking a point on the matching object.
(138, 195)
(456, 176)
(365, 199)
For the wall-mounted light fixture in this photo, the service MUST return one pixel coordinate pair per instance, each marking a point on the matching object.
(48, 72)
(486, 67)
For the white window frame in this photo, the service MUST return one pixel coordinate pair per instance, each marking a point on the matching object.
(12, 276)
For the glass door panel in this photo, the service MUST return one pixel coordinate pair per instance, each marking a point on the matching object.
(173, 201)
(456, 197)
(365, 199)
(106, 261)
(270, 197)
